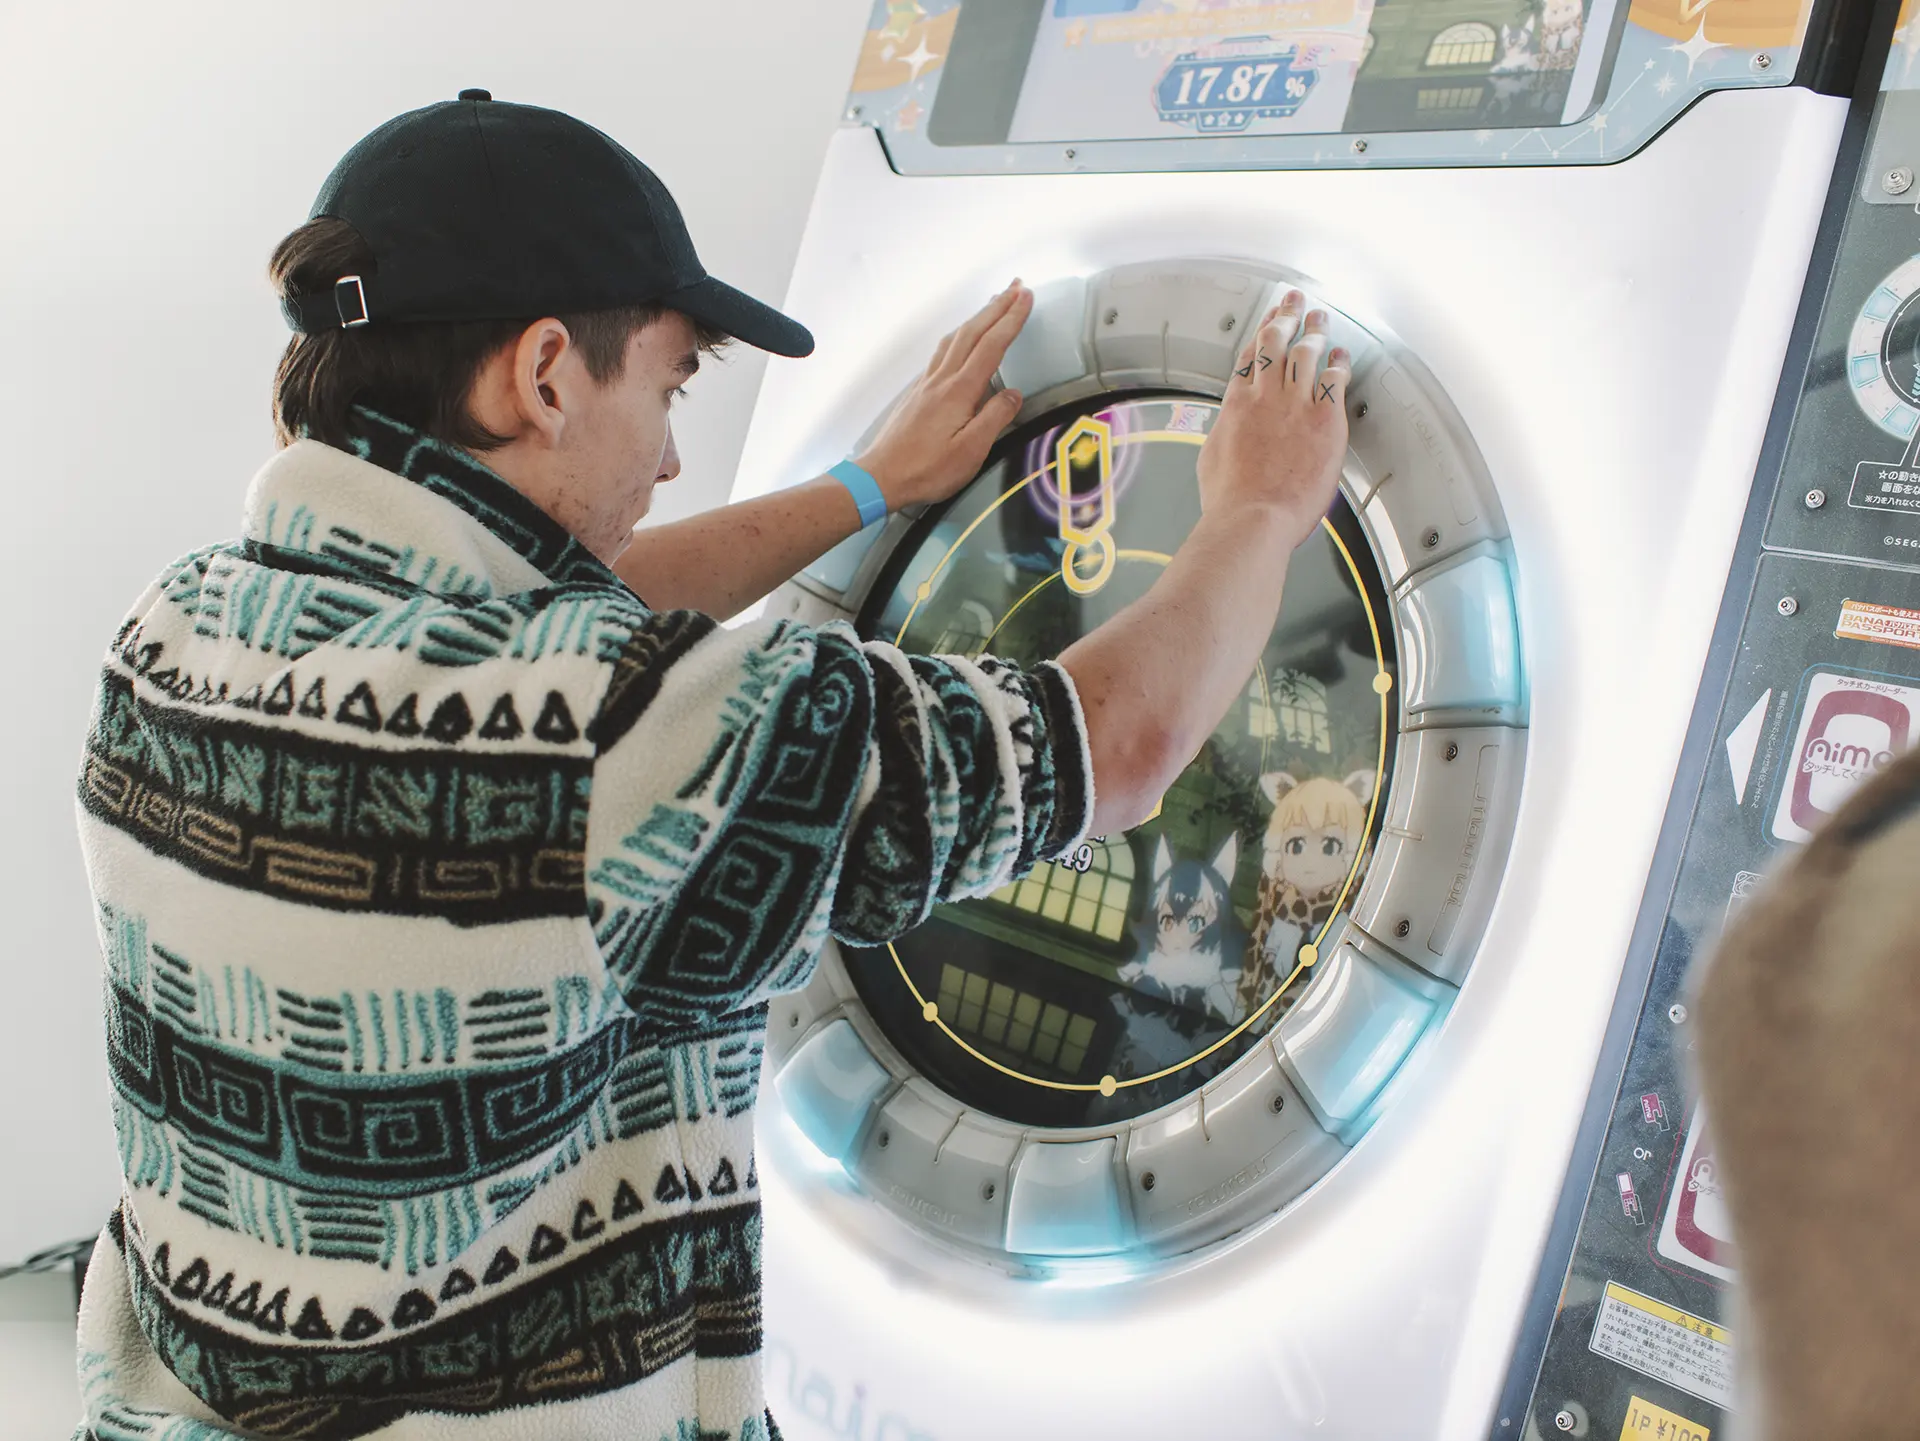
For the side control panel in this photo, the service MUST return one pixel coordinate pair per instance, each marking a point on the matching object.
(1813, 683)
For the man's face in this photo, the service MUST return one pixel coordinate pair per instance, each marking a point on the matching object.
(618, 442)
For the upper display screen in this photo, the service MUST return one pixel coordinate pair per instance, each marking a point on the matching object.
(1087, 70)
(1027, 87)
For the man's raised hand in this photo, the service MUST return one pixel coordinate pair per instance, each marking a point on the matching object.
(938, 436)
(1282, 430)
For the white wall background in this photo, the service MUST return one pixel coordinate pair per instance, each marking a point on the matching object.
(150, 157)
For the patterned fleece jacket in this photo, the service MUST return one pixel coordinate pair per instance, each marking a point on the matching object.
(441, 886)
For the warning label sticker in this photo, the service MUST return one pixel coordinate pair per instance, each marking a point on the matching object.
(1665, 1343)
(1648, 1422)
(1886, 624)
(1877, 486)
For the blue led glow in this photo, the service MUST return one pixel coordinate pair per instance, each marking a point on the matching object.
(1065, 1201)
(1467, 636)
(1350, 1033)
(829, 1087)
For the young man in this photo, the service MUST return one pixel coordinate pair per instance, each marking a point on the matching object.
(446, 850)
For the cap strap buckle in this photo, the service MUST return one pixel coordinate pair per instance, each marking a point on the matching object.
(357, 297)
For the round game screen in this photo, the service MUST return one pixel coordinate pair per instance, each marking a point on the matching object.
(1123, 976)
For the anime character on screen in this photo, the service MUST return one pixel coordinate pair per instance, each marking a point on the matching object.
(1190, 937)
(1181, 984)
(1517, 70)
(1560, 28)
(1317, 829)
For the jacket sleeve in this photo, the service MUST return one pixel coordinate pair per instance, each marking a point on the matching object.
(758, 789)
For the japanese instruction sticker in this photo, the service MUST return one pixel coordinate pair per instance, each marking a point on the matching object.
(1665, 1343)
(1877, 486)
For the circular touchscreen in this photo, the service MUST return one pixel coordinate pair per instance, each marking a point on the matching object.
(1121, 977)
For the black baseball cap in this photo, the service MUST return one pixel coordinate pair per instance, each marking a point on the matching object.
(480, 210)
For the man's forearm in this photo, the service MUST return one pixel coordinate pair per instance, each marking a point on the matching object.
(1155, 680)
(723, 560)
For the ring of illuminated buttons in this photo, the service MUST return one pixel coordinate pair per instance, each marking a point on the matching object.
(1125, 975)
(1883, 353)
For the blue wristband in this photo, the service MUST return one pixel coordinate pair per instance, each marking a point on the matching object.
(864, 489)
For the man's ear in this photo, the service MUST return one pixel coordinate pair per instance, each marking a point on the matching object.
(540, 394)
(523, 390)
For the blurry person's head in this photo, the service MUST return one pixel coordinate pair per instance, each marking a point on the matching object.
(508, 280)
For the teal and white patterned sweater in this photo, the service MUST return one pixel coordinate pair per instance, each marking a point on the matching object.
(441, 886)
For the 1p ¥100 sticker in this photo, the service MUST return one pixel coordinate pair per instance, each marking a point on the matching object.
(1648, 1422)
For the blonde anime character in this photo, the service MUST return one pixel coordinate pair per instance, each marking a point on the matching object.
(1318, 828)
(1560, 26)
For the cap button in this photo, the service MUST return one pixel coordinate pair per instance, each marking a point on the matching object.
(476, 95)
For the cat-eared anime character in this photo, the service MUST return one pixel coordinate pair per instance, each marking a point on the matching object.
(1181, 984)
(1517, 70)
(1190, 937)
(1561, 24)
(1316, 831)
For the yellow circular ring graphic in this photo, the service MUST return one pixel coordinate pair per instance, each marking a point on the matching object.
(1310, 952)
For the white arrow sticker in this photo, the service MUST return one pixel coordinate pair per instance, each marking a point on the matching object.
(1741, 745)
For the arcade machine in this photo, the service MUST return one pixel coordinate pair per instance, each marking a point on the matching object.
(1251, 1121)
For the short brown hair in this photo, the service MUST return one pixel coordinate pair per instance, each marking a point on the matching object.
(419, 373)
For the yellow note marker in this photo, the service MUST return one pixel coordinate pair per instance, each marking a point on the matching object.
(1648, 1422)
